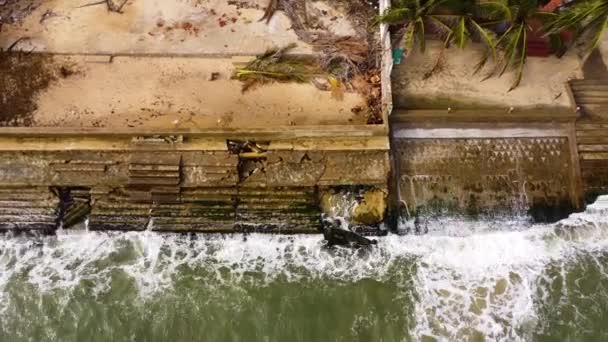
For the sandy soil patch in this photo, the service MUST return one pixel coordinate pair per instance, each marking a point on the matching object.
(165, 92)
(210, 27)
(543, 83)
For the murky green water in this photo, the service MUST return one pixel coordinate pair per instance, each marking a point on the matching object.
(464, 281)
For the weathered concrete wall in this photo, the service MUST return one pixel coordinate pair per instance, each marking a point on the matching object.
(486, 175)
(486, 169)
(214, 190)
(193, 169)
(540, 148)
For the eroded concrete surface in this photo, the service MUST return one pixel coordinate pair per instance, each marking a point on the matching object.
(158, 92)
(210, 27)
(188, 191)
(486, 176)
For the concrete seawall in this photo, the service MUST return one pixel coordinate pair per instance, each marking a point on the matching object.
(189, 148)
(513, 163)
(188, 182)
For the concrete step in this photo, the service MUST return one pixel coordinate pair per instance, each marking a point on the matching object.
(28, 209)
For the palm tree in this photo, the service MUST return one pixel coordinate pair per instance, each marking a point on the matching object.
(455, 20)
(461, 24)
(519, 16)
(587, 19)
(414, 15)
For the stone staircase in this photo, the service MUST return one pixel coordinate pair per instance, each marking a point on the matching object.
(199, 210)
(591, 95)
(111, 210)
(592, 140)
(28, 209)
(279, 209)
(76, 207)
(224, 209)
(154, 177)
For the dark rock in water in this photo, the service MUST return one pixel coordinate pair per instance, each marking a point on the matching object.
(336, 236)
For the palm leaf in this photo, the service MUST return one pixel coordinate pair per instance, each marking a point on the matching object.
(420, 32)
(522, 62)
(438, 22)
(393, 16)
(599, 34)
(511, 48)
(494, 10)
(486, 38)
(409, 37)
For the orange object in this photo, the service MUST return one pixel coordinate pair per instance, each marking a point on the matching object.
(552, 6)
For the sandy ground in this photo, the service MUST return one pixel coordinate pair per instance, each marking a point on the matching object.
(147, 85)
(164, 92)
(209, 27)
(543, 83)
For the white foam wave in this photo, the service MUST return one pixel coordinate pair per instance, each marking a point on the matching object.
(481, 282)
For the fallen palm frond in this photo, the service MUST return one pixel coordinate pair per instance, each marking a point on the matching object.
(276, 66)
(339, 61)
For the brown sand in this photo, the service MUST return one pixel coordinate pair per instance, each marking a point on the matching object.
(210, 27)
(543, 83)
(164, 92)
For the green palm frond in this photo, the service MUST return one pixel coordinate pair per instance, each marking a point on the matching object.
(459, 22)
(518, 15)
(486, 37)
(394, 16)
(414, 16)
(587, 19)
(495, 10)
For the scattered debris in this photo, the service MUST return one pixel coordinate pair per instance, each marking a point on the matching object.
(252, 157)
(15, 11)
(345, 58)
(23, 77)
(240, 147)
(214, 76)
(112, 6)
(47, 15)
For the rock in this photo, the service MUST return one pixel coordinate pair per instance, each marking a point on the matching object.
(360, 207)
(370, 211)
(336, 236)
(337, 203)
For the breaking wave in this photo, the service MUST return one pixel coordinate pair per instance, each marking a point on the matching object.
(464, 280)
